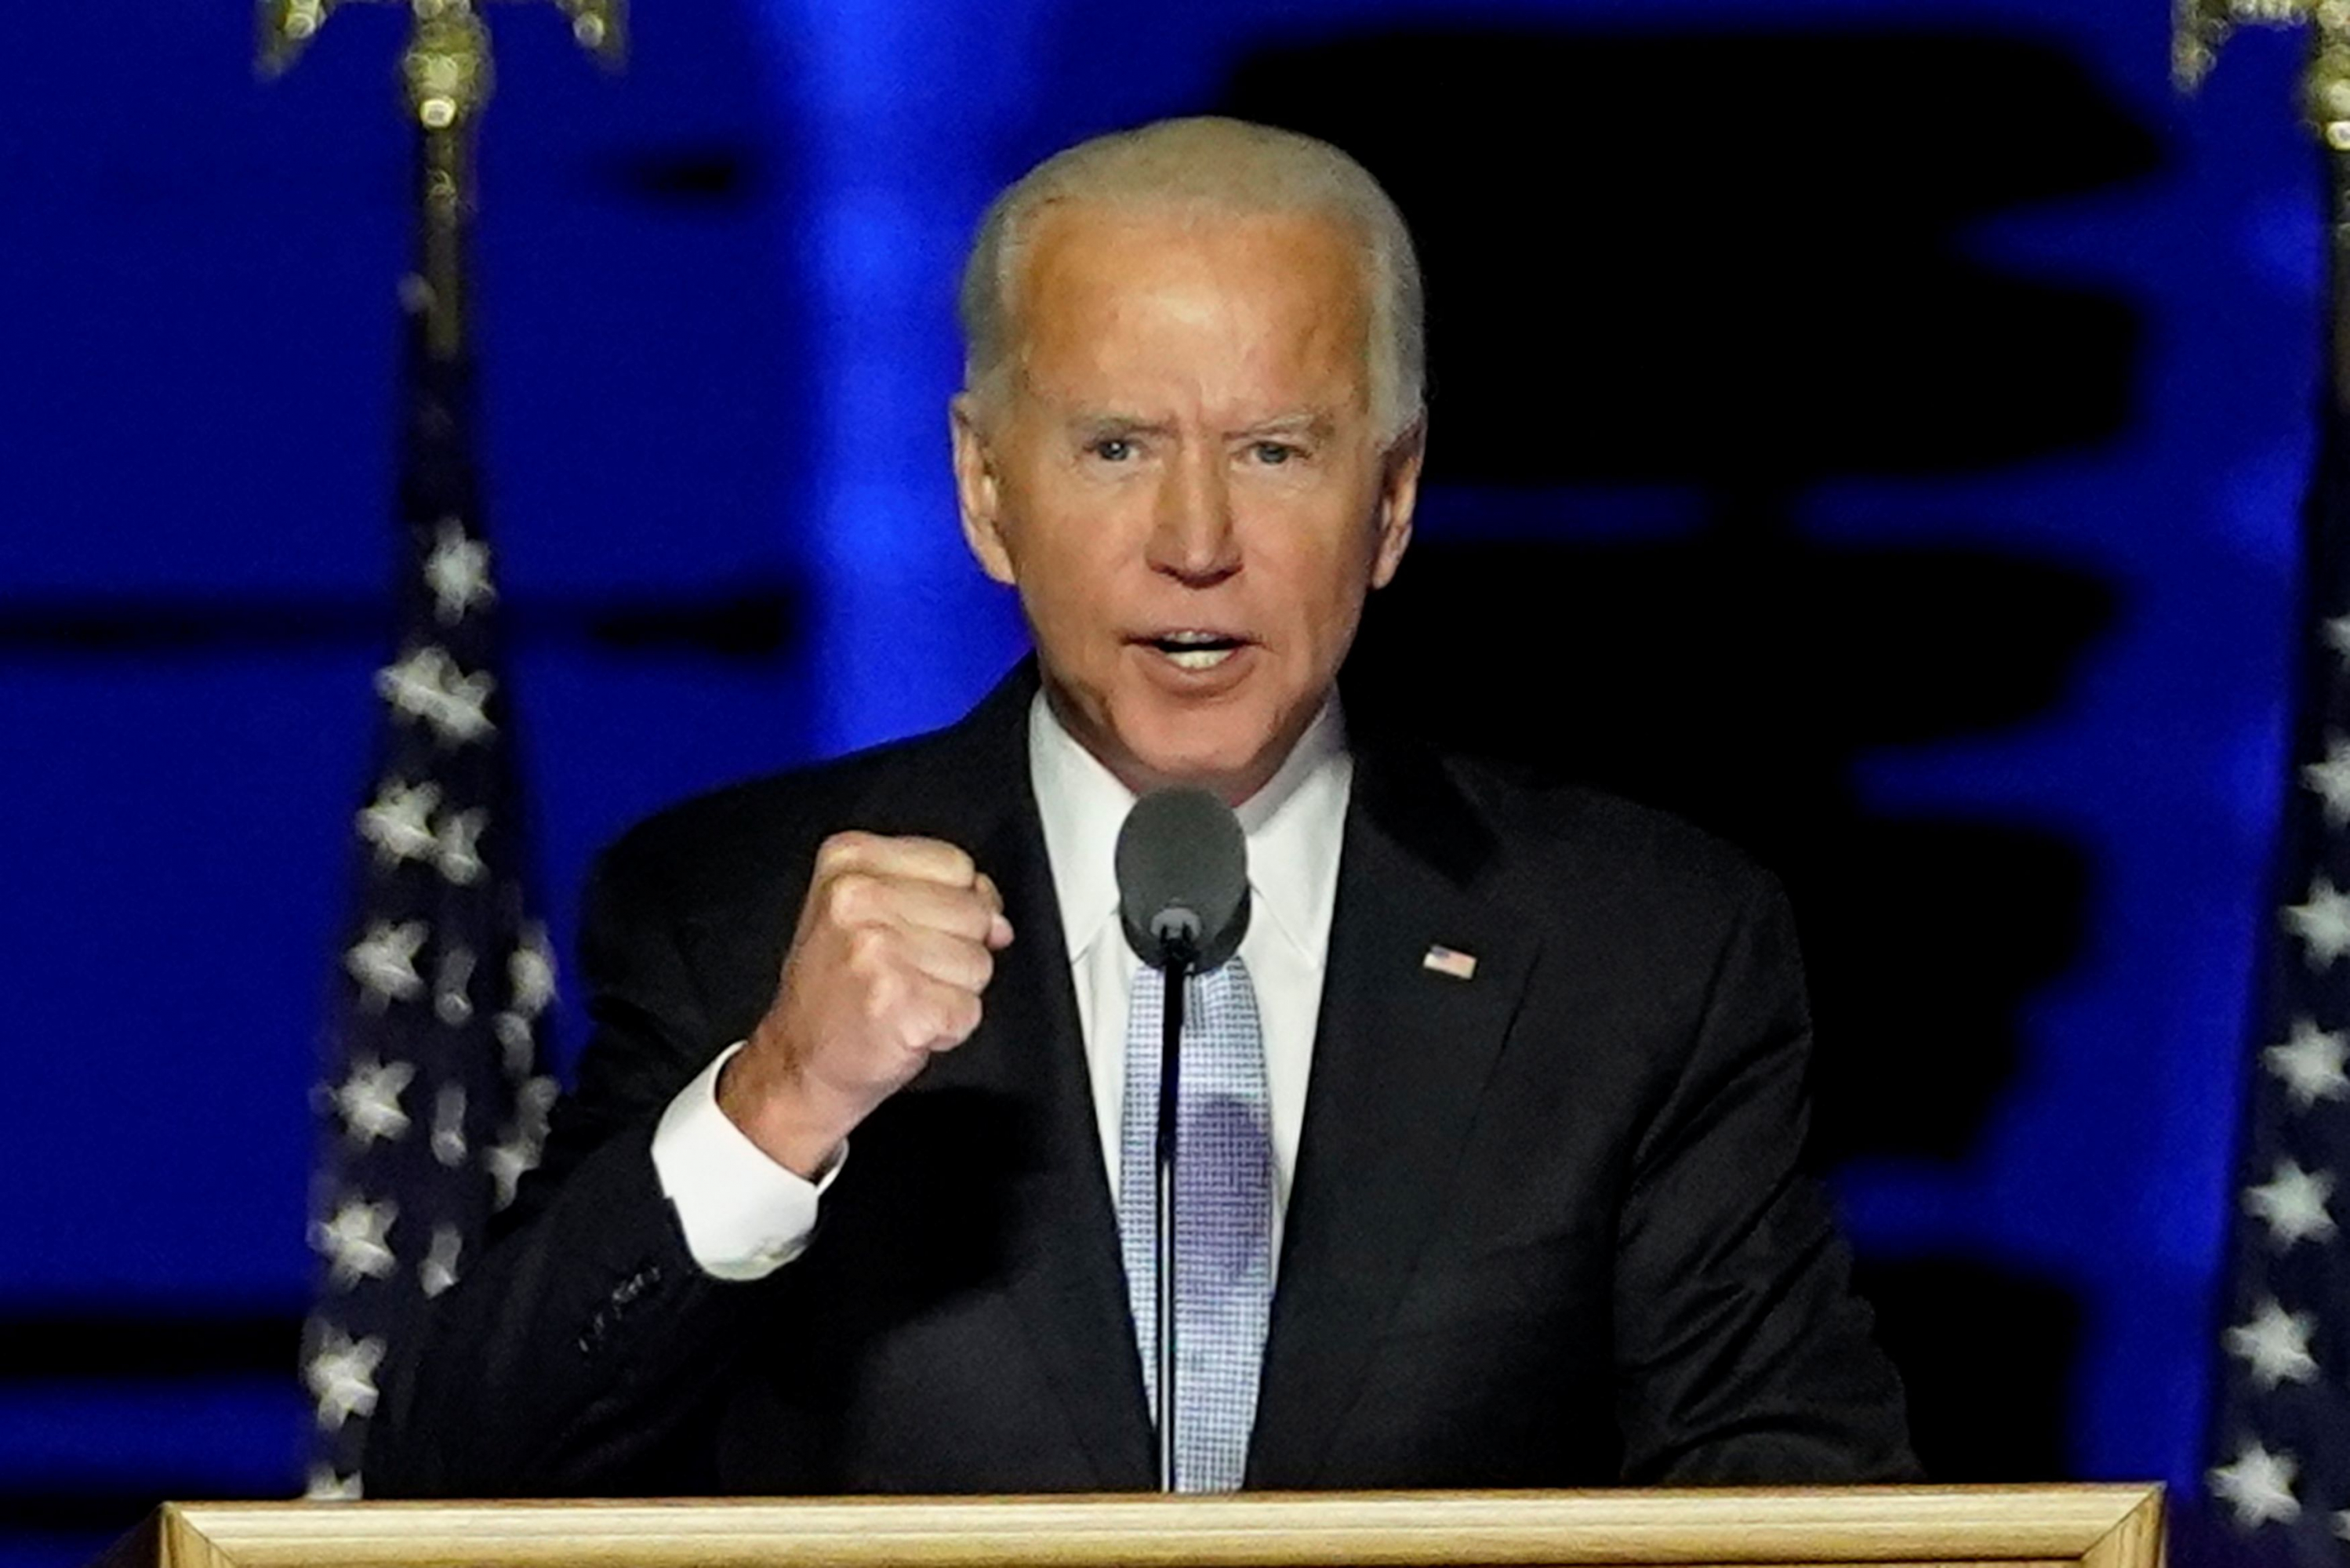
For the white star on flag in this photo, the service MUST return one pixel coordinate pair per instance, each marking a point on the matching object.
(449, 1126)
(533, 1101)
(2275, 1344)
(413, 684)
(2293, 1204)
(457, 850)
(368, 1099)
(530, 973)
(356, 1241)
(457, 571)
(384, 963)
(325, 1486)
(2310, 1062)
(449, 983)
(2331, 779)
(2258, 1486)
(2323, 923)
(461, 716)
(428, 685)
(514, 1042)
(398, 822)
(438, 1271)
(2336, 633)
(342, 1377)
(517, 1153)
(508, 1160)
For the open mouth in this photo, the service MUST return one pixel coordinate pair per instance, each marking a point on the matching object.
(1195, 650)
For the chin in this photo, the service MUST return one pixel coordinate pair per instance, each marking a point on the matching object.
(1217, 762)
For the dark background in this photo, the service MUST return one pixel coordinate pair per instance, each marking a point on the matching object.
(1873, 428)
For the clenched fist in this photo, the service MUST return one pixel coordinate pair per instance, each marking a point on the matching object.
(896, 940)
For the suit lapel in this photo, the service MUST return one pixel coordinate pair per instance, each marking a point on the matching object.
(1401, 1056)
(1066, 1283)
(1070, 1290)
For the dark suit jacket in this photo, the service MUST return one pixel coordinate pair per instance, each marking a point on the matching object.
(1546, 1227)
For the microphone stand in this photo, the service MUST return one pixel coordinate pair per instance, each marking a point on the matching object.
(1181, 956)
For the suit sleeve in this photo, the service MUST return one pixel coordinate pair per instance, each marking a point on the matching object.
(579, 1355)
(1741, 1354)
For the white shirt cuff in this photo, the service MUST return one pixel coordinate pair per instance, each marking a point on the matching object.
(744, 1216)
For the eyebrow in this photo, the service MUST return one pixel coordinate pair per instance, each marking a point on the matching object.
(1097, 426)
(1315, 425)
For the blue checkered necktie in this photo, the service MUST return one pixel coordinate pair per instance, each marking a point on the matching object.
(1223, 1214)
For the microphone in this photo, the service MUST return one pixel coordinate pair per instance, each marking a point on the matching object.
(1182, 900)
(1182, 880)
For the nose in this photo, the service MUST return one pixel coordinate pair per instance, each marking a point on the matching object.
(1191, 536)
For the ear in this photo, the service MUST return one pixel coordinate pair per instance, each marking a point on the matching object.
(1399, 494)
(977, 493)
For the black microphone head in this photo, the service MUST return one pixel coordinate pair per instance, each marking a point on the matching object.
(1182, 879)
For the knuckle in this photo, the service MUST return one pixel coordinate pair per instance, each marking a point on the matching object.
(917, 1028)
(974, 914)
(951, 862)
(868, 950)
(840, 851)
(848, 898)
(963, 1018)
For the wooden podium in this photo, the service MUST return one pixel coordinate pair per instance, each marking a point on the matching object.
(2043, 1526)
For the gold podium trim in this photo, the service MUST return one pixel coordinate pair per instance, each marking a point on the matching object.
(2092, 1526)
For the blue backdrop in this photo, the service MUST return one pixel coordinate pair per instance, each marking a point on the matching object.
(716, 344)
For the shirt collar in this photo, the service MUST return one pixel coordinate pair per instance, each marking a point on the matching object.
(1294, 825)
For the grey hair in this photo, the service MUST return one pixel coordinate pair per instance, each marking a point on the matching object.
(1221, 164)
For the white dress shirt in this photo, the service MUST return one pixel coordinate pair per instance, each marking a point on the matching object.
(744, 1216)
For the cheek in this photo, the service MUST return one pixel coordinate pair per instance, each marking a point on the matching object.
(1065, 578)
(1321, 587)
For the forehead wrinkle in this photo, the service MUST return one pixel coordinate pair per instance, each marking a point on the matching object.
(1089, 310)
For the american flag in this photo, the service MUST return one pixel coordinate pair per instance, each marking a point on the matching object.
(2279, 1468)
(432, 1100)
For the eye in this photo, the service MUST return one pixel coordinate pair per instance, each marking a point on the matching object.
(1273, 454)
(1110, 449)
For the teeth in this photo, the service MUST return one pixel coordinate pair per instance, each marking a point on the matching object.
(1200, 659)
(1200, 637)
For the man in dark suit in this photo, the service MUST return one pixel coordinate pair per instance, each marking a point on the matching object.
(1521, 1081)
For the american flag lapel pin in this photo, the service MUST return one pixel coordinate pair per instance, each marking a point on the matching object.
(1448, 961)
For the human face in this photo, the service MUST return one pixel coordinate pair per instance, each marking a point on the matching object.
(1181, 476)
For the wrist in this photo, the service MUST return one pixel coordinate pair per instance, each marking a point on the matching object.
(793, 1123)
